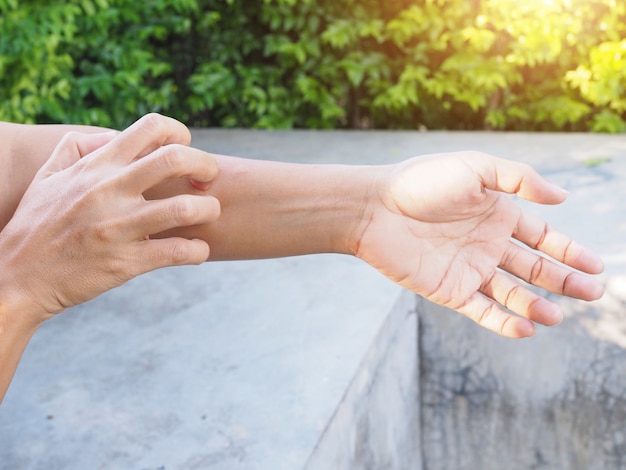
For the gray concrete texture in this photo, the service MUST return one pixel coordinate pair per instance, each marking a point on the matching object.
(320, 362)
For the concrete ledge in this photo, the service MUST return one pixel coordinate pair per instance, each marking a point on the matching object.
(377, 424)
(222, 366)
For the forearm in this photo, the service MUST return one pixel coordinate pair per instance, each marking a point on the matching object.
(24, 149)
(269, 209)
(16, 328)
(273, 209)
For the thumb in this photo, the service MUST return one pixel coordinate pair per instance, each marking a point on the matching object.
(71, 148)
(519, 178)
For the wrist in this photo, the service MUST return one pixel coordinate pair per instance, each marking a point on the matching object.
(357, 194)
(18, 314)
(18, 299)
(18, 323)
(332, 204)
(19, 311)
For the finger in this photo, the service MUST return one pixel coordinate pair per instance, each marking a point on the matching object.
(538, 235)
(175, 251)
(542, 272)
(522, 301)
(171, 161)
(517, 178)
(72, 147)
(179, 211)
(145, 136)
(489, 315)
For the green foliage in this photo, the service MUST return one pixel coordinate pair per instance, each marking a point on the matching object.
(34, 71)
(456, 64)
(59, 63)
(603, 81)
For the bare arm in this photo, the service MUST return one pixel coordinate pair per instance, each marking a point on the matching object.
(273, 209)
(441, 226)
(396, 217)
(24, 149)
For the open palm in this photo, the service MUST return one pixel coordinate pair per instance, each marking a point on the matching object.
(444, 227)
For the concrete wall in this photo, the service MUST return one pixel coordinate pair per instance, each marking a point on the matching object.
(556, 401)
(436, 392)
(377, 424)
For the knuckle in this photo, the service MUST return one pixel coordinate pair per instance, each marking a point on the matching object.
(119, 268)
(170, 158)
(71, 136)
(69, 142)
(184, 210)
(180, 252)
(167, 128)
(103, 233)
(153, 122)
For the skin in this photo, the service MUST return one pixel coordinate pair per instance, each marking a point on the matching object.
(106, 207)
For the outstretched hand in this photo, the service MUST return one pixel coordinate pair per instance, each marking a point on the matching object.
(443, 227)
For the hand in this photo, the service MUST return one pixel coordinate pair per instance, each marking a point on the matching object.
(83, 226)
(441, 226)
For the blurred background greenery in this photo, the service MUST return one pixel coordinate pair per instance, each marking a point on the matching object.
(549, 65)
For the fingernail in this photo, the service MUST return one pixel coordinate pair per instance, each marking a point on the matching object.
(527, 330)
(200, 185)
(556, 317)
(563, 191)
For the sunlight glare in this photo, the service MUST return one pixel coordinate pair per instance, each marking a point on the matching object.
(550, 5)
